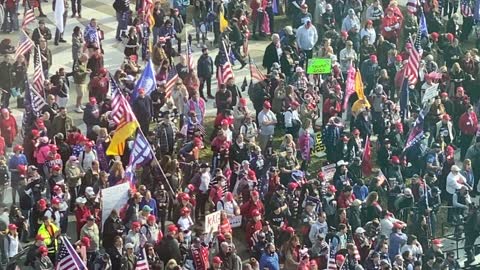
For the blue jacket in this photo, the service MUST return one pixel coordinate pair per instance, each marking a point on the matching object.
(269, 261)
(397, 240)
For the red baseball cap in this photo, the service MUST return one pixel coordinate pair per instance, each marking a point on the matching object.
(172, 228)
(373, 58)
(255, 213)
(267, 104)
(217, 260)
(55, 201)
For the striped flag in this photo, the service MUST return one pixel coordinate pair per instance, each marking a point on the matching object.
(68, 258)
(404, 98)
(142, 263)
(171, 80)
(121, 110)
(28, 16)
(417, 133)
(332, 252)
(225, 72)
(413, 65)
(367, 158)
(255, 73)
(25, 44)
(38, 76)
(140, 155)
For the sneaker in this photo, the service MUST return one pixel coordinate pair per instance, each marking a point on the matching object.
(82, 106)
(73, 16)
(79, 16)
(79, 110)
(62, 41)
(55, 43)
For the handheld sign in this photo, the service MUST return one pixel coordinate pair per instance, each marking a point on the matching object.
(319, 66)
(212, 221)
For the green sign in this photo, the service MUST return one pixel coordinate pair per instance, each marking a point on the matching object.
(319, 66)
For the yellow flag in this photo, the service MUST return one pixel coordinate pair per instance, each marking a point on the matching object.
(223, 22)
(122, 133)
(359, 88)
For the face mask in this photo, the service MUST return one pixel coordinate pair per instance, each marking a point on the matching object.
(240, 144)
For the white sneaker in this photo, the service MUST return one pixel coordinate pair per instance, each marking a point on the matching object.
(79, 110)
(82, 107)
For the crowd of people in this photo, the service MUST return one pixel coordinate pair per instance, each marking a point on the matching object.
(395, 154)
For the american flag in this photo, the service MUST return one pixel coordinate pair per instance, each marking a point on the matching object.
(25, 44)
(332, 252)
(121, 110)
(68, 258)
(142, 263)
(255, 73)
(171, 80)
(225, 73)
(38, 76)
(413, 65)
(417, 133)
(28, 16)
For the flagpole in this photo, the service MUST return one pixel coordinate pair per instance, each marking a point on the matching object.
(226, 53)
(150, 148)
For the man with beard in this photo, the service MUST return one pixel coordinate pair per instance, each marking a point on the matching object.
(230, 259)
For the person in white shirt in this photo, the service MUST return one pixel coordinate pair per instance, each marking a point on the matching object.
(347, 57)
(185, 222)
(228, 205)
(11, 242)
(87, 157)
(413, 246)
(292, 119)
(267, 121)
(386, 224)
(203, 186)
(455, 180)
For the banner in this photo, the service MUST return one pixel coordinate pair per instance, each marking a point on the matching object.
(329, 172)
(319, 66)
(114, 198)
(235, 221)
(430, 93)
(212, 221)
(319, 149)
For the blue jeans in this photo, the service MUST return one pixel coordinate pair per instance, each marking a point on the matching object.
(13, 24)
(122, 19)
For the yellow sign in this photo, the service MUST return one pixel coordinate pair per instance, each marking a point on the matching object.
(319, 146)
(319, 66)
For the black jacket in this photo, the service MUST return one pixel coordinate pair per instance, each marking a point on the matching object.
(142, 107)
(270, 56)
(205, 66)
(168, 249)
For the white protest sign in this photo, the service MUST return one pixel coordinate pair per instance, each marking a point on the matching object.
(329, 172)
(235, 221)
(114, 198)
(430, 93)
(212, 221)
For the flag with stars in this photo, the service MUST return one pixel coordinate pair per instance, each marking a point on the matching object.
(141, 154)
(142, 263)
(68, 258)
(417, 133)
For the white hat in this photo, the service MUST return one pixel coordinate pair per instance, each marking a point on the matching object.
(455, 168)
(342, 163)
(360, 230)
(408, 192)
(288, 30)
(129, 245)
(89, 191)
(81, 200)
(298, 69)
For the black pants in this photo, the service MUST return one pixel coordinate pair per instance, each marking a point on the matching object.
(237, 54)
(6, 99)
(470, 238)
(76, 7)
(207, 80)
(200, 206)
(59, 35)
(465, 141)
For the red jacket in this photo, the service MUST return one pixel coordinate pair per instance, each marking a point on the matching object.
(390, 22)
(247, 208)
(9, 129)
(343, 201)
(82, 213)
(468, 123)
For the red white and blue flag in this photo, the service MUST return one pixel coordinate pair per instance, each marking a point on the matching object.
(140, 155)
(417, 133)
(68, 258)
(142, 263)
(171, 80)
(25, 44)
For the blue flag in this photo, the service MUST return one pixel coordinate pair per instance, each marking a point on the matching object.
(404, 96)
(423, 26)
(147, 81)
(140, 155)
